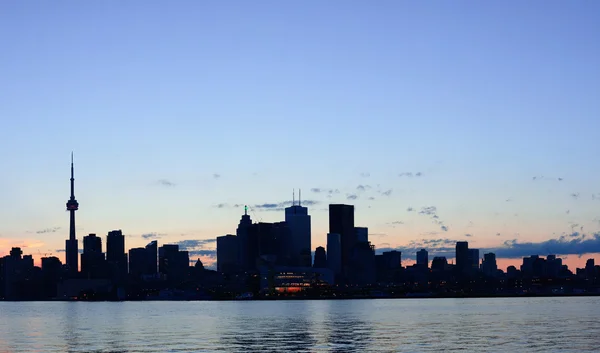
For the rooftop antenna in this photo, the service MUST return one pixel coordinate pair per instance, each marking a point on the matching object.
(299, 197)
(293, 196)
(245, 210)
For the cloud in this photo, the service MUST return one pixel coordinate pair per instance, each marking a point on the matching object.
(351, 196)
(280, 206)
(498, 234)
(560, 179)
(221, 205)
(165, 182)
(363, 187)
(371, 198)
(80, 251)
(410, 174)
(365, 174)
(325, 191)
(575, 195)
(152, 235)
(430, 210)
(468, 235)
(216, 176)
(194, 244)
(444, 228)
(571, 244)
(387, 192)
(48, 230)
(410, 209)
(397, 222)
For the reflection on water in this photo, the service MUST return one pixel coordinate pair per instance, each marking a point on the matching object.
(427, 325)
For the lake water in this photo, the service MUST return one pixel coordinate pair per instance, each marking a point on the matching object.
(413, 325)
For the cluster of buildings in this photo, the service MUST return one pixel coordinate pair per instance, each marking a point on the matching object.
(272, 259)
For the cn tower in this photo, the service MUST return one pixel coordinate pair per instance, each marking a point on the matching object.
(72, 249)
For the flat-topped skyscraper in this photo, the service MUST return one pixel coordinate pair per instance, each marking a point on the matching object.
(71, 245)
(298, 220)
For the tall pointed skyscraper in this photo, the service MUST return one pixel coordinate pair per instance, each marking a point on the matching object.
(72, 248)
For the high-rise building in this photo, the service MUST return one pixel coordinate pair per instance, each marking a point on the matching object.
(462, 256)
(173, 263)
(227, 253)
(488, 265)
(92, 259)
(392, 259)
(341, 221)
(245, 252)
(474, 259)
(298, 220)
(71, 244)
(138, 260)
(115, 254)
(423, 258)
(320, 258)
(334, 253)
(362, 234)
(152, 258)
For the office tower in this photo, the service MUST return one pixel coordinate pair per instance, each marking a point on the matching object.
(474, 259)
(392, 259)
(423, 258)
(71, 245)
(362, 268)
(439, 264)
(362, 234)
(92, 259)
(151, 258)
(488, 265)
(298, 220)
(246, 260)
(334, 253)
(138, 261)
(462, 256)
(553, 266)
(268, 243)
(173, 263)
(115, 254)
(320, 258)
(227, 253)
(341, 221)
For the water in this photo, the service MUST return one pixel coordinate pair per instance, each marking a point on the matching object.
(415, 325)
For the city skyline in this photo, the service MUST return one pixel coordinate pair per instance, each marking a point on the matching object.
(440, 123)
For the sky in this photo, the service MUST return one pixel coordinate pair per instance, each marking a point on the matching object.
(440, 121)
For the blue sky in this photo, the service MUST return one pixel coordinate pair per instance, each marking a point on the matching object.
(479, 97)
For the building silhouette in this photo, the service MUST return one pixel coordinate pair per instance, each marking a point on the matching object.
(462, 257)
(246, 260)
(298, 221)
(423, 258)
(334, 253)
(341, 221)
(151, 258)
(116, 257)
(71, 244)
(92, 258)
(320, 258)
(227, 254)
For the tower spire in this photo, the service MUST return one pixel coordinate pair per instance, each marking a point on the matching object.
(293, 197)
(71, 245)
(299, 197)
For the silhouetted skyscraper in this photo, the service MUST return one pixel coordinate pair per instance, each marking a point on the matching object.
(298, 220)
(115, 254)
(92, 259)
(474, 259)
(151, 258)
(334, 253)
(341, 221)
(320, 258)
(488, 265)
(138, 259)
(462, 256)
(245, 261)
(423, 258)
(227, 254)
(362, 234)
(71, 245)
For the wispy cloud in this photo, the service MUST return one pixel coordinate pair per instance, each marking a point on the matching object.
(152, 235)
(194, 244)
(351, 196)
(429, 210)
(444, 228)
(216, 176)
(48, 230)
(410, 174)
(387, 192)
(365, 174)
(575, 195)
(165, 182)
(468, 235)
(363, 187)
(410, 209)
(279, 206)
